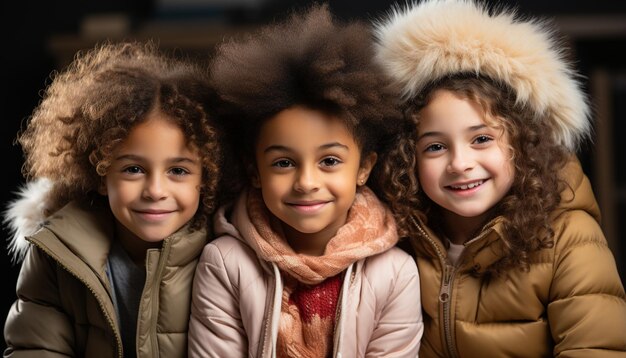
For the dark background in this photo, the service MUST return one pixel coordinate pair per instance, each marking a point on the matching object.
(40, 37)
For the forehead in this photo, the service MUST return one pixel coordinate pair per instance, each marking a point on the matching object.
(157, 135)
(447, 106)
(299, 127)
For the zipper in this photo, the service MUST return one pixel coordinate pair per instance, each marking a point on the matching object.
(444, 297)
(118, 338)
(273, 310)
(448, 275)
(345, 291)
(440, 255)
(164, 252)
(445, 292)
(268, 310)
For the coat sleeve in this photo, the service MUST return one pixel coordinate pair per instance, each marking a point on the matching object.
(399, 329)
(587, 308)
(215, 326)
(36, 325)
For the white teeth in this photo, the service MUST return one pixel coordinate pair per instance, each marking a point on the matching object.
(468, 186)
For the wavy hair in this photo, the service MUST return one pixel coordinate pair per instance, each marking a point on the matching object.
(310, 60)
(90, 108)
(535, 192)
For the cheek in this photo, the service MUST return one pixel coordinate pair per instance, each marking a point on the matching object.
(191, 195)
(345, 183)
(123, 192)
(501, 161)
(115, 191)
(427, 173)
(274, 182)
(509, 172)
(273, 188)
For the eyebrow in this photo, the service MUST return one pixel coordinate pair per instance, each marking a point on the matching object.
(435, 133)
(288, 149)
(133, 157)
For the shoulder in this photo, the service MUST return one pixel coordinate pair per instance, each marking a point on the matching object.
(580, 246)
(394, 258)
(577, 228)
(583, 261)
(227, 246)
(231, 255)
(392, 266)
(390, 283)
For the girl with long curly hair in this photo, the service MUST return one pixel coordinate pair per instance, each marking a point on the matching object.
(502, 220)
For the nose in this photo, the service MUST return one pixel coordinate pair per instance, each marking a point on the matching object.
(155, 187)
(460, 161)
(306, 180)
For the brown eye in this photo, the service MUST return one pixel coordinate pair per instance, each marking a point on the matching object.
(330, 162)
(283, 163)
(434, 147)
(179, 171)
(482, 139)
(133, 169)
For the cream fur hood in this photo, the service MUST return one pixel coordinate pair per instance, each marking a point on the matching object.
(425, 41)
(24, 215)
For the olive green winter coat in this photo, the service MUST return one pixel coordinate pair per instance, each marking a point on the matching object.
(64, 306)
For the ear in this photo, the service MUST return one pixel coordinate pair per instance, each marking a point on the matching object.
(367, 163)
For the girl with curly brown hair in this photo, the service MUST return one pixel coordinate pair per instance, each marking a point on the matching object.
(504, 223)
(122, 159)
(304, 264)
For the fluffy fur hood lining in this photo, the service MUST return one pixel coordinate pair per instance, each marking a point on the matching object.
(425, 41)
(25, 215)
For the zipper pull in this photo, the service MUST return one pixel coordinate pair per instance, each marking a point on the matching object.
(444, 293)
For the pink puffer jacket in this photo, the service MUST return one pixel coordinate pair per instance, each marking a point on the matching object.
(236, 303)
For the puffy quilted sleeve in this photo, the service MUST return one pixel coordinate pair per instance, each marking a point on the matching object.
(215, 326)
(36, 325)
(400, 325)
(587, 308)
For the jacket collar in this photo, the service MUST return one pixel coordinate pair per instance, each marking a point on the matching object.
(87, 230)
(488, 246)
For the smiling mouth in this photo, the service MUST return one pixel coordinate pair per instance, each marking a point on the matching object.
(308, 207)
(152, 215)
(467, 186)
(153, 212)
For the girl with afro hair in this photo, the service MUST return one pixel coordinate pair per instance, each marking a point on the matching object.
(305, 263)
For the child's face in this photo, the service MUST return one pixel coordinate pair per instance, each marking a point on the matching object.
(464, 165)
(308, 171)
(153, 182)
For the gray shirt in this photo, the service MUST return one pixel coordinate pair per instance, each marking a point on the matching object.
(128, 280)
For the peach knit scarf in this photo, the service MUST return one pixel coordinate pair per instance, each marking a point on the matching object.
(369, 230)
(312, 284)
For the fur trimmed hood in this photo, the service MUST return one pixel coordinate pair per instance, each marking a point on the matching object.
(25, 215)
(432, 39)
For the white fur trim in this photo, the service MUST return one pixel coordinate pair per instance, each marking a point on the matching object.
(427, 41)
(24, 216)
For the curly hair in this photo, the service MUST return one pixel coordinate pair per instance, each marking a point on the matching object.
(90, 108)
(535, 192)
(308, 60)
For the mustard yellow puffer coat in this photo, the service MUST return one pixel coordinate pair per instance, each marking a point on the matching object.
(64, 306)
(570, 304)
